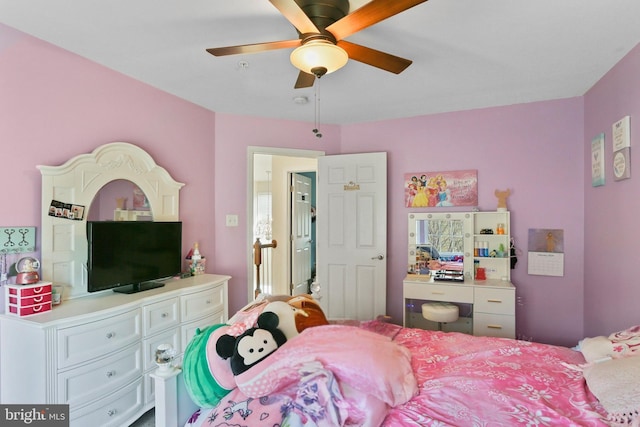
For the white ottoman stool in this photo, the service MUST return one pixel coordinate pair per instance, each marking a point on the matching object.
(441, 312)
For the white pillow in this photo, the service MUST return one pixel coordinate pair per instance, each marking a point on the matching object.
(618, 344)
(616, 384)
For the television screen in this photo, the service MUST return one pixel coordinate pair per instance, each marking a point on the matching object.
(129, 256)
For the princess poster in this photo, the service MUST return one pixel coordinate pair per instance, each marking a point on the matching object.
(441, 189)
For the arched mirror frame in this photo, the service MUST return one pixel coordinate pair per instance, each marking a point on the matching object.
(77, 182)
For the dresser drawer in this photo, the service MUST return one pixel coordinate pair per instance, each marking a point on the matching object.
(111, 411)
(495, 300)
(200, 304)
(101, 378)
(437, 292)
(171, 336)
(189, 330)
(97, 339)
(161, 315)
(494, 325)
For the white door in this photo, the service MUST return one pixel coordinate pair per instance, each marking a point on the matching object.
(352, 236)
(300, 233)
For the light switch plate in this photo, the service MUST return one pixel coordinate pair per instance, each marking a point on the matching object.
(232, 220)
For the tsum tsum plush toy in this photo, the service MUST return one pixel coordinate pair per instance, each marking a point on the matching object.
(297, 314)
(253, 345)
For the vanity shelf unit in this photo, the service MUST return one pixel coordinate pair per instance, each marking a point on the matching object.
(499, 266)
(487, 307)
(96, 353)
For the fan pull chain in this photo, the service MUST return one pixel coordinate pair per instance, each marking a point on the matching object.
(317, 107)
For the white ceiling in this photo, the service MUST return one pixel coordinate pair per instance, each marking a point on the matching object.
(466, 53)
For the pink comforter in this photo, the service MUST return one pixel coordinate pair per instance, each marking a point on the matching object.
(480, 381)
(463, 381)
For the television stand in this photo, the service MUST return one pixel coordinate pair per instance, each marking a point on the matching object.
(138, 287)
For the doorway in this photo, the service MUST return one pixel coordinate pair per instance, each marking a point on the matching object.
(268, 204)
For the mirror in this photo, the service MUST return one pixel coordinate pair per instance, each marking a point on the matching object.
(439, 241)
(77, 182)
(120, 200)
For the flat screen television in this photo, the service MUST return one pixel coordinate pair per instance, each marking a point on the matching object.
(132, 256)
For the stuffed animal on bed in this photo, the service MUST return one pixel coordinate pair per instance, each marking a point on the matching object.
(253, 345)
(297, 314)
(208, 377)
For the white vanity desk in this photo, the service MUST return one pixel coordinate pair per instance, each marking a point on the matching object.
(494, 302)
(488, 306)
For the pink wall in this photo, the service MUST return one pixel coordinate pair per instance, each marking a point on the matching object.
(611, 228)
(536, 150)
(233, 135)
(60, 105)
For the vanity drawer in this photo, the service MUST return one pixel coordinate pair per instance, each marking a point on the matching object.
(203, 303)
(112, 410)
(98, 339)
(494, 325)
(495, 300)
(100, 378)
(160, 315)
(438, 292)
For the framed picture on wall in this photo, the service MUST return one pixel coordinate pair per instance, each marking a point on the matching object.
(621, 164)
(597, 161)
(441, 189)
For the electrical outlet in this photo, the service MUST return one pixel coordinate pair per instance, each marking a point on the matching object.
(232, 220)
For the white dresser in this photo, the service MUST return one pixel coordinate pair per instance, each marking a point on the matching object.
(96, 352)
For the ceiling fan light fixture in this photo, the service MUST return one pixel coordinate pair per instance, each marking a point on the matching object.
(318, 54)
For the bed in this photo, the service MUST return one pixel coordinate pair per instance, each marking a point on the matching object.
(376, 373)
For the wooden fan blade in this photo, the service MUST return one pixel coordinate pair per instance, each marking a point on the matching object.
(376, 58)
(304, 80)
(369, 14)
(253, 48)
(295, 15)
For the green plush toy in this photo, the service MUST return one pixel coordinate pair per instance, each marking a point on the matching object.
(208, 378)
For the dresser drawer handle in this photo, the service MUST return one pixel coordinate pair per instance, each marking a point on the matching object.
(37, 290)
(164, 315)
(437, 293)
(208, 301)
(494, 326)
(36, 309)
(38, 299)
(110, 335)
(112, 412)
(495, 300)
(111, 374)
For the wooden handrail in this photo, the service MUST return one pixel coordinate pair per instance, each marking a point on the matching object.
(257, 260)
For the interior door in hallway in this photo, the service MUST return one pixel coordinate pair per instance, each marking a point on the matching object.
(300, 233)
(352, 235)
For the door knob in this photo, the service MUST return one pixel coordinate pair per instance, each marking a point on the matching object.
(379, 257)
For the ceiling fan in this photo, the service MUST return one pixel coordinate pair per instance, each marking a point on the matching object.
(322, 26)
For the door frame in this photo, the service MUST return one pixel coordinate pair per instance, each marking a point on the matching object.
(274, 151)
